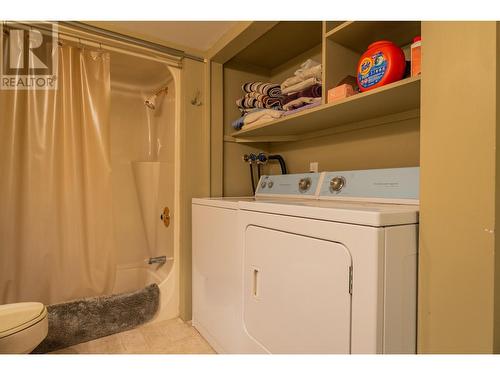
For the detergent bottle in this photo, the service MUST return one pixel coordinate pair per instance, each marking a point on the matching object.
(383, 63)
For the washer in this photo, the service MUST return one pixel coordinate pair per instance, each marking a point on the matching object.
(216, 272)
(334, 275)
(218, 261)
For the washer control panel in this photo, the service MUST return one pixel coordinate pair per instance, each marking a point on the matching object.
(393, 183)
(302, 184)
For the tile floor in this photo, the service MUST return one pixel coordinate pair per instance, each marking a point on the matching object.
(167, 337)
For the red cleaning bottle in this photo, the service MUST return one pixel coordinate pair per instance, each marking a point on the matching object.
(383, 63)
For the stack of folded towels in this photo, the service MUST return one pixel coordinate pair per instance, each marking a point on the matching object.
(303, 89)
(259, 95)
(263, 102)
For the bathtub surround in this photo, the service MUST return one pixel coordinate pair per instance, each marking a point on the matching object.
(75, 322)
(56, 222)
(146, 177)
(143, 161)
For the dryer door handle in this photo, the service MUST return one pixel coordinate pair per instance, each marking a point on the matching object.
(255, 282)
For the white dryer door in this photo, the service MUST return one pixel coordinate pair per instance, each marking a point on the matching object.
(296, 290)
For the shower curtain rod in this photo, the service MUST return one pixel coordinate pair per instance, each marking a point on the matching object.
(169, 53)
(130, 40)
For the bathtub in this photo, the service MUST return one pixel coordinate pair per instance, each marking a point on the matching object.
(135, 276)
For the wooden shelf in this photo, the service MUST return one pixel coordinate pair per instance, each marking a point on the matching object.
(357, 35)
(330, 25)
(397, 97)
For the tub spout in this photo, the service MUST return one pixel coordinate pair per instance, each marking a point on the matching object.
(158, 260)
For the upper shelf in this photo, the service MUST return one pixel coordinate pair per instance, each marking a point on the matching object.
(330, 25)
(357, 35)
(280, 44)
(394, 98)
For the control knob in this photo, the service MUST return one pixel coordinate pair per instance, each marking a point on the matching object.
(304, 184)
(337, 183)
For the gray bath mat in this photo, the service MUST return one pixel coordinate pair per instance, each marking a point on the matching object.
(78, 321)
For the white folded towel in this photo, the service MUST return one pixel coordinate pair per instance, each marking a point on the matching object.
(268, 114)
(301, 86)
(290, 82)
(308, 69)
(309, 63)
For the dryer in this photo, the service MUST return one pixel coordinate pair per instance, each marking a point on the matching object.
(333, 275)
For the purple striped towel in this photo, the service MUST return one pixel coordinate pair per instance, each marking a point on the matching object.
(272, 90)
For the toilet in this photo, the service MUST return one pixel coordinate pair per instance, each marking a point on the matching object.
(22, 327)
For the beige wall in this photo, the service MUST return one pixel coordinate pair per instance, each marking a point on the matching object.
(458, 163)
(387, 146)
(195, 170)
(282, 72)
(496, 332)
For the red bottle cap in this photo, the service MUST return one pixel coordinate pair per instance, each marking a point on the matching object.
(417, 39)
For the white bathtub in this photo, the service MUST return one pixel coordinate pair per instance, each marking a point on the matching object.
(132, 277)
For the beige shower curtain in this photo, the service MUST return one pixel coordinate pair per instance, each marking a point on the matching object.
(56, 225)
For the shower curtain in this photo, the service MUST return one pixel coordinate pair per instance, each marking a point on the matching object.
(56, 225)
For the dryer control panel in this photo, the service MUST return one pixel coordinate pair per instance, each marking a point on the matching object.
(302, 185)
(384, 184)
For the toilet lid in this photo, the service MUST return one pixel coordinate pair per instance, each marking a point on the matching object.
(17, 316)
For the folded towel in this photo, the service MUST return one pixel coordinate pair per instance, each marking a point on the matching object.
(270, 114)
(313, 72)
(246, 103)
(261, 97)
(313, 91)
(268, 101)
(257, 115)
(300, 102)
(301, 86)
(270, 89)
(245, 122)
(309, 63)
(290, 82)
(308, 106)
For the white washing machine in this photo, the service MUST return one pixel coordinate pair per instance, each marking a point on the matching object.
(218, 263)
(332, 274)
